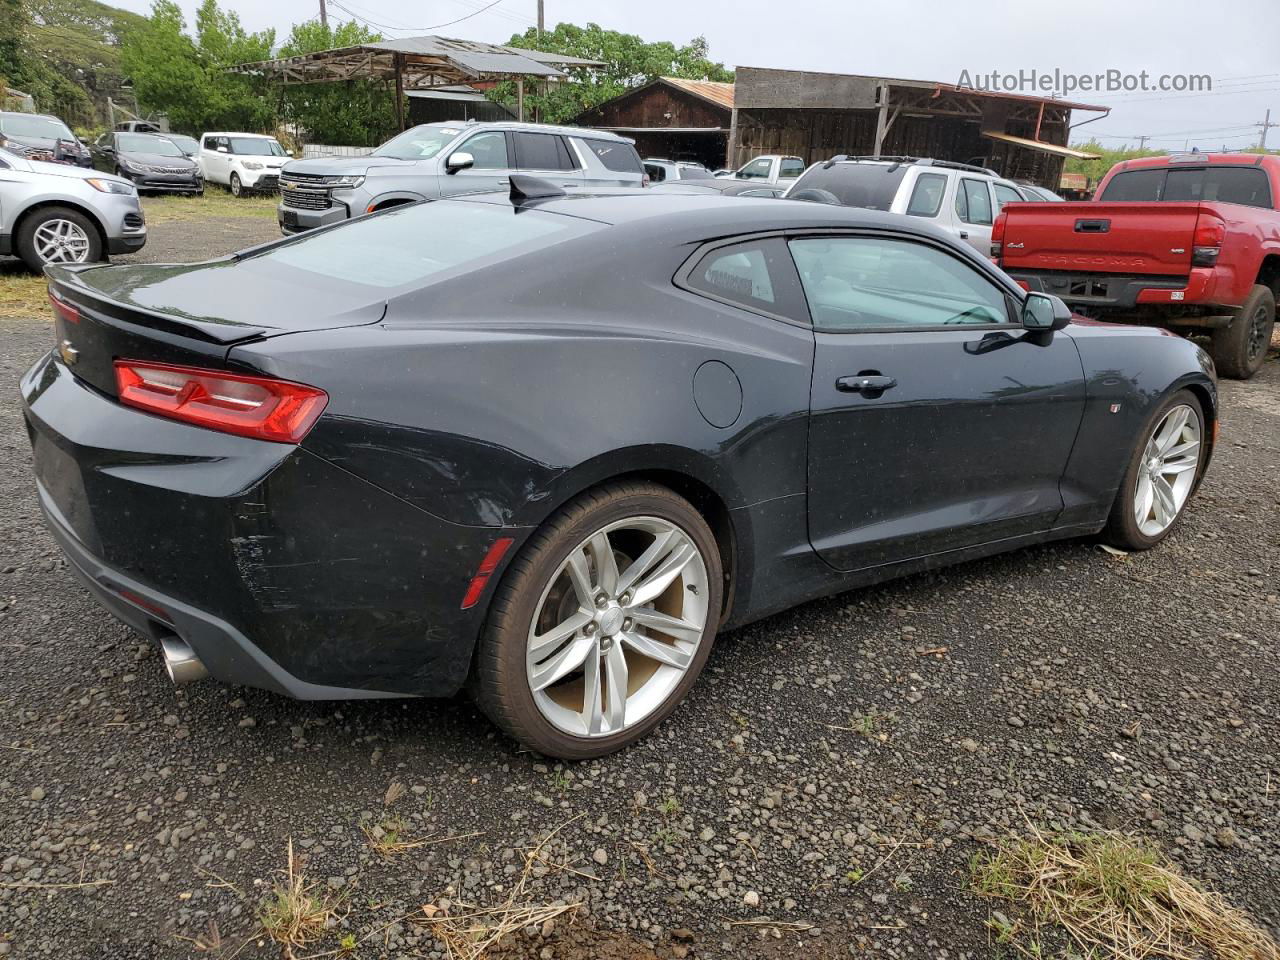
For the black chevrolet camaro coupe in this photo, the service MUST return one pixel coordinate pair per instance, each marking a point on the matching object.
(547, 446)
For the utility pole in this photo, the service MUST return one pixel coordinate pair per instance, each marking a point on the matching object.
(324, 16)
(1266, 125)
(1142, 142)
(542, 25)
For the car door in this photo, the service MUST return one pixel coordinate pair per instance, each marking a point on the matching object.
(491, 151)
(936, 422)
(215, 162)
(974, 213)
(546, 155)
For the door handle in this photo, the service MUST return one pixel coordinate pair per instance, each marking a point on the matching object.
(504, 183)
(866, 384)
(964, 234)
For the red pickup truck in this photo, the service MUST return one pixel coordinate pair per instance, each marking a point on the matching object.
(1190, 242)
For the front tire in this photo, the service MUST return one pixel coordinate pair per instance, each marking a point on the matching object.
(1238, 350)
(602, 624)
(1162, 474)
(58, 235)
(237, 189)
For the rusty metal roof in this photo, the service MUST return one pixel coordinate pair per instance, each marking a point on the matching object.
(721, 94)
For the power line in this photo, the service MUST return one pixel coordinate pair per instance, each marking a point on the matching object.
(438, 26)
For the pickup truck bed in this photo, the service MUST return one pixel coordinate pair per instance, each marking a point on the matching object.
(1202, 264)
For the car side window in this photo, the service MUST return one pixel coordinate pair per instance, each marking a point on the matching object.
(973, 202)
(860, 283)
(489, 150)
(539, 151)
(756, 169)
(755, 274)
(656, 172)
(926, 195)
(791, 168)
(1005, 194)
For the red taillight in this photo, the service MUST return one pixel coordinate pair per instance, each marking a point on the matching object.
(257, 407)
(63, 309)
(1206, 242)
(489, 564)
(997, 237)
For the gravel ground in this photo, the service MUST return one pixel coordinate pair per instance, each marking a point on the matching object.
(837, 766)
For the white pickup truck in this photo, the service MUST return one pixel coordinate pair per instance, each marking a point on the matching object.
(770, 168)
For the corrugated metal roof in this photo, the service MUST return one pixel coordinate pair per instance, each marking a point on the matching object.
(721, 94)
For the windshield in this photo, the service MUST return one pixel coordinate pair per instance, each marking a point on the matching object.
(141, 143)
(257, 147)
(418, 243)
(420, 143)
(871, 186)
(39, 128)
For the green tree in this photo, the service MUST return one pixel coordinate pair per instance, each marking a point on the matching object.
(1108, 157)
(358, 112)
(629, 62)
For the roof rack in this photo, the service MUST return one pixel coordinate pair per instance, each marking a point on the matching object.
(918, 161)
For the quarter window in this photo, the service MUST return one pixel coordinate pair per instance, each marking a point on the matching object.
(926, 195)
(973, 202)
(1005, 194)
(756, 274)
(859, 283)
(616, 156)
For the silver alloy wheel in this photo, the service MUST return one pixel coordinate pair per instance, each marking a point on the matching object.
(1167, 471)
(61, 241)
(617, 627)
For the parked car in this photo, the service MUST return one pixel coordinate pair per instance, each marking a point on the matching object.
(1190, 242)
(958, 197)
(724, 187)
(662, 171)
(150, 161)
(55, 213)
(444, 159)
(138, 126)
(1034, 192)
(41, 137)
(555, 443)
(769, 168)
(189, 146)
(242, 161)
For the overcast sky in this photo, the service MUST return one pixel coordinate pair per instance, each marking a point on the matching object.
(1233, 41)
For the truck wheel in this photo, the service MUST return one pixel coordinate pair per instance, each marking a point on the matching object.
(1238, 350)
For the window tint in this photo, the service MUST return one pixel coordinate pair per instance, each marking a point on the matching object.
(926, 196)
(757, 274)
(619, 157)
(539, 151)
(973, 202)
(792, 167)
(855, 283)
(489, 150)
(1135, 186)
(1005, 194)
(756, 169)
(871, 186)
(656, 171)
(414, 244)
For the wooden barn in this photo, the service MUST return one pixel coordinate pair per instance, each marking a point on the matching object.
(817, 115)
(672, 118)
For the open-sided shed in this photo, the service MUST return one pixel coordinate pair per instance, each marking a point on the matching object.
(670, 117)
(422, 63)
(817, 115)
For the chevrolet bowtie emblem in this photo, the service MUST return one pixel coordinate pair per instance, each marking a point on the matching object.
(68, 353)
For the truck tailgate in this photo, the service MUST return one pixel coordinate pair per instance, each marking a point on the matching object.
(1130, 238)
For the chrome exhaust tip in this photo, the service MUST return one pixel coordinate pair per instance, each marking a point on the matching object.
(180, 661)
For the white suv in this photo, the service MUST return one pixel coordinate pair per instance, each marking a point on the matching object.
(242, 161)
(958, 197)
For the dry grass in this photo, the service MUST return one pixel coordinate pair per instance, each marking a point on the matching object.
(23, 294)
(1116, 896)
(390, 838)
(216, 202)
(296, 913)
(469, 931)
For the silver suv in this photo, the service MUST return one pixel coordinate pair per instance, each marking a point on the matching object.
(958, 197)
(57, 213)
(443, 159)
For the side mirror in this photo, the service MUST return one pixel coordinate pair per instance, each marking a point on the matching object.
(459, 161)
(223, 150)
(1044, 311)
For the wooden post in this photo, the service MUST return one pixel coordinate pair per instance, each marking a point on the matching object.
(731, 150)
(882, 119)
(520, 99)
(398, 61)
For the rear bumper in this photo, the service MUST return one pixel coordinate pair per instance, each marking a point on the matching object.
(279, 569)
(1198, 292)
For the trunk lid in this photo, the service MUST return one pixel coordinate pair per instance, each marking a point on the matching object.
(189, 313)
(1095, 237)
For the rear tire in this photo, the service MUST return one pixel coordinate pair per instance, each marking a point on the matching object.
(618, 624)
(1238, 350)
(1165, 457)
(58, 235)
